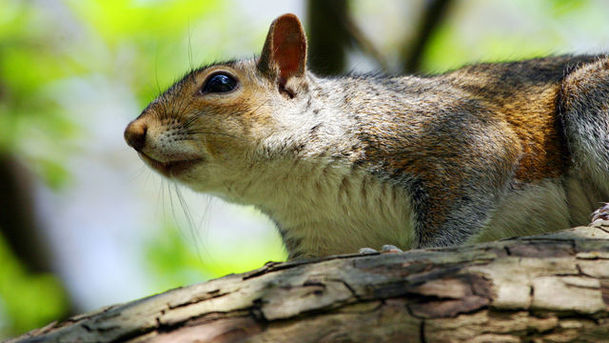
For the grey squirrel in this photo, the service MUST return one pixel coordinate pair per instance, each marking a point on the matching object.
(479, 153)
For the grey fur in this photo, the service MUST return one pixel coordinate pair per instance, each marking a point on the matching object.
(483, 152)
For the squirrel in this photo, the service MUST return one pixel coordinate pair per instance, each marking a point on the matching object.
(479, 153)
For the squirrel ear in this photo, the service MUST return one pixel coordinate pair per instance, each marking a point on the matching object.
(285, 51)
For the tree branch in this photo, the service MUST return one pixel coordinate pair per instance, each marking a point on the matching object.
(552, 287)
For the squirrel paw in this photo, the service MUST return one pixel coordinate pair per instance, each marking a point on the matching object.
(600, 217)
(390, 249)
(385, 249)
(367, 251)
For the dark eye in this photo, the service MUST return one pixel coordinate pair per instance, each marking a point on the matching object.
(219, 83)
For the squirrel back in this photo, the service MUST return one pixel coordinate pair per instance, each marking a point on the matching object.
(482, 152)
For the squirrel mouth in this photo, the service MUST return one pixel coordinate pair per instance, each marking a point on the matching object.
(172, 168)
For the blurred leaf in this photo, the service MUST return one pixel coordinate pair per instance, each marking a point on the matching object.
(29, 300)
(25, 69)
(54, 174)
(564, 7)
(117, 19)
(172, 260)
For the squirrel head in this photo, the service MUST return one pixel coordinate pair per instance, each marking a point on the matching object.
(220, 121)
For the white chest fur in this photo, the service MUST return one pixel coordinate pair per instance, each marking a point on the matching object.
(327, 209)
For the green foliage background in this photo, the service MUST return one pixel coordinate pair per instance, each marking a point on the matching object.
(103, 39)
(144, 45)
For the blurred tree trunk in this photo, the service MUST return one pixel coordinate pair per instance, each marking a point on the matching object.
(17, 216)
(546, 288)
(433, 15)
(328, 37)
(19, 224)
(331, 30)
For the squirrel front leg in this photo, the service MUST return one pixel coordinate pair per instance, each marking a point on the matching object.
(450, 215)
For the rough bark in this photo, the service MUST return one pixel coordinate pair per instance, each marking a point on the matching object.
(547, 288)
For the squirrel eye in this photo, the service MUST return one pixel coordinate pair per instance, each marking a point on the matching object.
(219, 83)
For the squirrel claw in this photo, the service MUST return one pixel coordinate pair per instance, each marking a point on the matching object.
(390, 249)
(367, 251)
(385, 249)
(600, 217)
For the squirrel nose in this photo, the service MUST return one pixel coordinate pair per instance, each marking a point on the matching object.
(135, 134)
